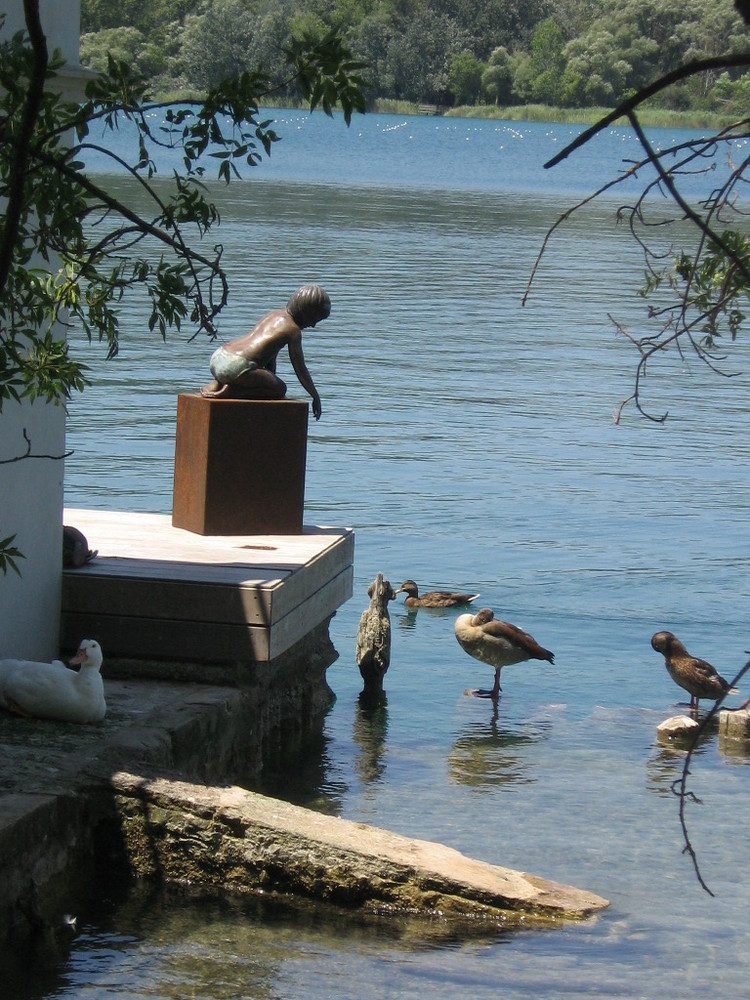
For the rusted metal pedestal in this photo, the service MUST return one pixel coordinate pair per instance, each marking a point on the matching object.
(239, 466)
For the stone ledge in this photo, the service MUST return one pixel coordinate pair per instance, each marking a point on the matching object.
(242, 841)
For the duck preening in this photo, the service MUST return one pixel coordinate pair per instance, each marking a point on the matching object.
(52, 690)
(497, 643)
(433, 598)
(697, 677)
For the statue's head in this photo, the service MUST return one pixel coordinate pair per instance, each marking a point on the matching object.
(309, 305)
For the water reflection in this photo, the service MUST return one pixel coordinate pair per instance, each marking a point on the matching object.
(495, 754)
(735, 750)
(300, 770)
(405, 621)
(369, 734)
(665, 764)
(184, 942)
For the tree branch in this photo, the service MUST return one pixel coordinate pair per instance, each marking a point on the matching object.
(28, 454)
(679, 786)
(623, 110)
(19, 161)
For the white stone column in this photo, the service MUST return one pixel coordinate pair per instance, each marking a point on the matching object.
(31, 490)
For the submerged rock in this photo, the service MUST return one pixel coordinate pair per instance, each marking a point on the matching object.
(677, 727)
(734, 724)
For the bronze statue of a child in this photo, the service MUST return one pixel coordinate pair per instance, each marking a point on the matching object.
(245, 368)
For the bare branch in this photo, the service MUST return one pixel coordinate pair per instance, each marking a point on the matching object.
(623, 110)
(679, 786)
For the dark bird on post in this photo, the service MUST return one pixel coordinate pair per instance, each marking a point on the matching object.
(433, 598)
(497, 643)
(373, 648)
(696, 676)
(76, 551)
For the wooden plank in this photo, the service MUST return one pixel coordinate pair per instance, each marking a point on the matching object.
(140, 638)
(152, 638)
(155, 591)
(175, 600)
(136, 535)
(323, 603)
(193, 591)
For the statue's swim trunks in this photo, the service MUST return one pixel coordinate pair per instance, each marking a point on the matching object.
(227, 367)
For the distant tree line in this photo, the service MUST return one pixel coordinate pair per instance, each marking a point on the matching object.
(564, 53)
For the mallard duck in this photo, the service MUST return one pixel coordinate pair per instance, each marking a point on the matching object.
(497, 643)
(433, 598)
(697, 677)
(52, 690)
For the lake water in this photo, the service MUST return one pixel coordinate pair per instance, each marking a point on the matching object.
(470, 443)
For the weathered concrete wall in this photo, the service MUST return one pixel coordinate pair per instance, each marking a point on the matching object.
(31, 509)
(60, 21)
(55, 800)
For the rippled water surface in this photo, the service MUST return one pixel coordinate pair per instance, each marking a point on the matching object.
(470, 442)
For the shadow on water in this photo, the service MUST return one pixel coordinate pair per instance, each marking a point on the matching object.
(300, 771)
(210, 943)
(665, 764)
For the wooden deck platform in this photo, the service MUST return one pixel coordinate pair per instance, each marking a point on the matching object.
(159, 592)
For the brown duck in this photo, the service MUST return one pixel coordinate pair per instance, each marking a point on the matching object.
(497, 643)
(433, 598)
(697, 677)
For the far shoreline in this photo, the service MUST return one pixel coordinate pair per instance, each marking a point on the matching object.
(649, 116)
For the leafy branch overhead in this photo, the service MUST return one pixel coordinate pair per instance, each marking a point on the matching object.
(696, 253)
(70, 250)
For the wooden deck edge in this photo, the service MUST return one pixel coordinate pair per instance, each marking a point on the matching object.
(199, 641)
(245, 842)
(184, 590)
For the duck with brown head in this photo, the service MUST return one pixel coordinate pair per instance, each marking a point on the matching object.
(434, 598)
(698, 677)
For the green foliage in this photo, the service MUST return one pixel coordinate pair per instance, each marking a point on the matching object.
(219, 44)
(711, 289)
(9, 555)
(497, 78)
(419, 57)
(326, 74)
(547, 62)
(126, 44)
(576, 53)
(465, 77)
(71, 251)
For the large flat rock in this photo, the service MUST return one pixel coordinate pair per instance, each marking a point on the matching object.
(243, 841)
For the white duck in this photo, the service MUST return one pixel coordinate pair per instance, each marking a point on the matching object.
(52, 691)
